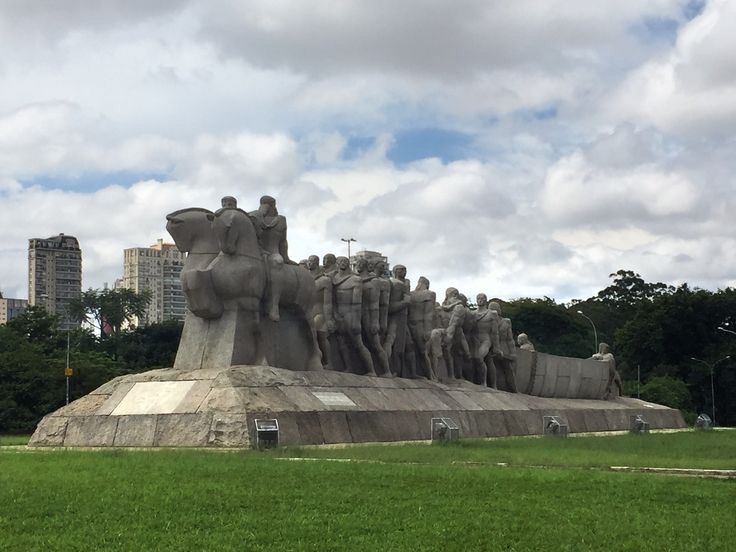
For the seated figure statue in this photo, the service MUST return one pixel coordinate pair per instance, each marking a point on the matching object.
(604, 354)
(271, 230)
(524, 343)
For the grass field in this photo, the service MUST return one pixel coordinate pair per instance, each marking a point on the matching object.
(703, 449)
(201, 500)
(6, 440)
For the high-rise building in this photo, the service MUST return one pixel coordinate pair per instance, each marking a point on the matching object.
(10, 308)
(372, 256)
(156, 269)
(55, 275)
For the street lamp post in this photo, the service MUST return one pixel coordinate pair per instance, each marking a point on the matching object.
(348, 240)
(712, 367)
(595, 332)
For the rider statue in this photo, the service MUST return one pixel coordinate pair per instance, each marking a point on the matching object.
(271, 230)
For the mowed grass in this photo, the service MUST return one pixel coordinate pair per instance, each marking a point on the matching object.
(202, 500)
(13, 440)
(714, 449)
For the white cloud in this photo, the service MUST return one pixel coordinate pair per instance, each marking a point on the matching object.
(693, 87)
(594, 143)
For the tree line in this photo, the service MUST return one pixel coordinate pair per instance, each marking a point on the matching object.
(665, 340)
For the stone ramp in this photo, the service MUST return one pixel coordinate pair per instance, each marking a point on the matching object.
(217, 408)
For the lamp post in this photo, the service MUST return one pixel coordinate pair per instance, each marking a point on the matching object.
(348, 240)
(595, 332)
(726, 330)
(712, 367)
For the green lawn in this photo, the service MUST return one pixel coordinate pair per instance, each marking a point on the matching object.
(688, 449)
(201, 500)
(6, 440)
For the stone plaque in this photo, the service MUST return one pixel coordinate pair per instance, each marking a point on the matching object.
(333, 398)
(153, 397)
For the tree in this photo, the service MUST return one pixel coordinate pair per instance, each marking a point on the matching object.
(154, 345)
(629, 289)
(110, 308)
(37, 325)
(551, 327)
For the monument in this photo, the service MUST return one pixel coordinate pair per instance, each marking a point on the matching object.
(334, 356)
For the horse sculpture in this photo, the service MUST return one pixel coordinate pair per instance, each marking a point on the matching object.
(225, 282)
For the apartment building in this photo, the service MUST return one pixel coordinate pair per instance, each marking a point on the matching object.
(55, 275)
(156, 269)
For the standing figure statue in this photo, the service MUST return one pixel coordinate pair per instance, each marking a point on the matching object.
(398, 309)
(324, 321)
(506, 356)
(421, 313)
(329, 264)
(370, 316)
(383, 286)
(604, 354)
(487, 342)
(455, 341)
(271, 230)
(348, 295)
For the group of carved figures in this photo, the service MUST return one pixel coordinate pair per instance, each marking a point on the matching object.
(367, 316)
(361, 321)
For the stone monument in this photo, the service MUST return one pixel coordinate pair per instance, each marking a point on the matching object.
(266, 338)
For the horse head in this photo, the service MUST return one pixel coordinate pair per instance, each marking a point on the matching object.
(234, 232)
(192, 231)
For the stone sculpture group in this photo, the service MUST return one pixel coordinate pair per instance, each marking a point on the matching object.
(249, 303)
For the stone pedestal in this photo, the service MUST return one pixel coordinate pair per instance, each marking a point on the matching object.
(217, 408)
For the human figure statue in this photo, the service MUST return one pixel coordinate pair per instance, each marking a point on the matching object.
(329, 264)
(505, 358)
(421, 312)
(470, 329)
(229, 202)
(398, 308)
(455, 340)
(371, 313)
(324, 321)
(383, 286)
(604, 354)
(524, 343)
(487, 343)
(348, 295)
(271, 230)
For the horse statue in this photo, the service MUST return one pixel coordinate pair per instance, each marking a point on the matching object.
(193, 235)
(226, 282)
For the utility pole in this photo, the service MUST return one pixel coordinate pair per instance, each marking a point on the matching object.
(711, 367)
(348, 240)
(595, 332)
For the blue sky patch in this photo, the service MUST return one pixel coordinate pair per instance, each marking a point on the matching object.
(421, 143)
(92, 181)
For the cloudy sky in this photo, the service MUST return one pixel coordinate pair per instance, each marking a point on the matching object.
(523, 148)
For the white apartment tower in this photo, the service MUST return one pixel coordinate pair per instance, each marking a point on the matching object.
(55, 275)
(156, 269)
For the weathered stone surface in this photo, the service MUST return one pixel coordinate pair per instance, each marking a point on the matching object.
(229, 430)
(335, 427)
(91, 431)
(50, 432)
(182, 430)
(119, 392)
(194, 397)
(220, 411)
(135, 431)
(84, 406)
(310, 430)
(153, 397)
